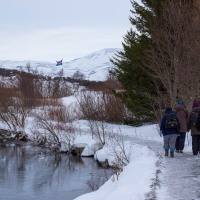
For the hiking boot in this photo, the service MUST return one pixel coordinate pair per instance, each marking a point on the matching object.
(195, 153)
(166, 153)
(181, 151)
(177, 151)
(172, 154)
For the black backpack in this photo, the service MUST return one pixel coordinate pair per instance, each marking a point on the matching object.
(171, 121)
(195, 119)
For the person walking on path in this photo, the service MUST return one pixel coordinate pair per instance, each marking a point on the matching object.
(182, 115)
(193, 121)
(169, 126)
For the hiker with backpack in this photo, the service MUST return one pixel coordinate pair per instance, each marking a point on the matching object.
(169, 128)
(194, 126)
(182, 115)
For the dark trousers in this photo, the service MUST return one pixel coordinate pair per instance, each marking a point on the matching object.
(195, 144)
(180, 141)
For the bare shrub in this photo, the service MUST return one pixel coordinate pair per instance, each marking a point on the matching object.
(99, 130)
(7, 92)
(57, 111)
(117, 169)
(65, 89)
(13, 113)
(90, 105)
(96, 86)
(78, 75)
(28, 67)
(101, 106)
(47, 87)
(119, 150)
(43, 102)
(75, 87)
(56, 88)
(112, 83)
(54, 127)
(114, 108)
(13, 110)
(62, 114)
(26, 88)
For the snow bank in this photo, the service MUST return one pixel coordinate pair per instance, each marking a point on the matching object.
(91, 145)
(133, 182)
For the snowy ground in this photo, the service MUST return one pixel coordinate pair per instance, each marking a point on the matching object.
(149, 175)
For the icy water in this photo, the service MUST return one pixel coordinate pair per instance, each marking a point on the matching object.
(26, 174)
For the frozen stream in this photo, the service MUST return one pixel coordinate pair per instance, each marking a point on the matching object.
(26, 174)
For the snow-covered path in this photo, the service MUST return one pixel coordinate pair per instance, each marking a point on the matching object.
(180, 177)
(177, 178)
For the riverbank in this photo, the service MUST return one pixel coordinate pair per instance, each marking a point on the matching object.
(28, 172)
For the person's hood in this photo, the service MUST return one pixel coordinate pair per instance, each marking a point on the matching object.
(168, 110)
(195, 104)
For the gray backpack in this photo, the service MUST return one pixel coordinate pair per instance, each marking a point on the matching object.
(195, 119)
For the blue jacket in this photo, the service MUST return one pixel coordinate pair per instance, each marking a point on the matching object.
(167, 131)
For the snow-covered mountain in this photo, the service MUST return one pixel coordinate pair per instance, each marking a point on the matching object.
(94, 66)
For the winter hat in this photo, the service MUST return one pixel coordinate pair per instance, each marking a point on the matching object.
(168, 110)
(195, 104)
(180, 102)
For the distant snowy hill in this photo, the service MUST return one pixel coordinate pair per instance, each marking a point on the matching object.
(94, 66)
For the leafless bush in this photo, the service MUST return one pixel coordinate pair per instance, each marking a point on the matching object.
(26, 88)
(13, 113)
(78, 75)
(99, 130)
(101, 106)
(112, 83)
(49, 102)
(116, 144)
(36, 86)
(117, 168)
(62, 114)
(28, 67)
(54, 127)
(56, 88)
(118, 147)
(90, 106)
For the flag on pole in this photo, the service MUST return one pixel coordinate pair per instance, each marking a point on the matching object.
(58, 62)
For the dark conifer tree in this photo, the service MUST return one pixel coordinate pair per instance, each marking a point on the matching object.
(158, 62)
(129, 67)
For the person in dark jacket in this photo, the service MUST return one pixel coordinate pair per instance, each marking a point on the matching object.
(194, 132)
(182, 115)
(169, 134)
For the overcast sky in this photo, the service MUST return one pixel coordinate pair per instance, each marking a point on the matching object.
(49, 30)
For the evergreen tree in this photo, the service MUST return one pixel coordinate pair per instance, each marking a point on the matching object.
(129, 68)
(154, 50)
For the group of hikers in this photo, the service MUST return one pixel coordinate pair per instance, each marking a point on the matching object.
(174, 125)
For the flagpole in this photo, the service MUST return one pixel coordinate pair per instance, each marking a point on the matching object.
(62, 68)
